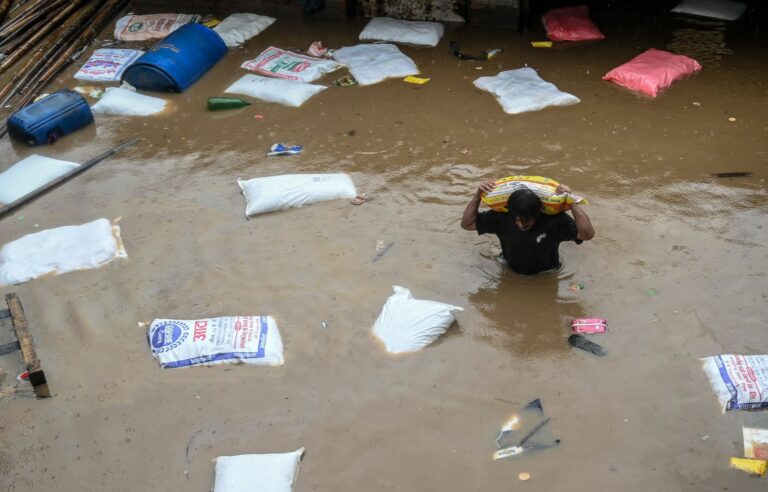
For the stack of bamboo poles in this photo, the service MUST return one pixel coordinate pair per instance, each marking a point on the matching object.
(40, 38)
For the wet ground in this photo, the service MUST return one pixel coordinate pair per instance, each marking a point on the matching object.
(678, 267)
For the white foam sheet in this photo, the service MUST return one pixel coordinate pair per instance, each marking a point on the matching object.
(239, 28)
(716, 9)
(30, 174)
(522, 90)
(418, 33)
(122, 102)
(286, 191)
(60, 250)
(407, 324)
(372, 63)
(291, 93)
(275, 472)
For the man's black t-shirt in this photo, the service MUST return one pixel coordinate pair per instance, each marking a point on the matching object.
(534, 250)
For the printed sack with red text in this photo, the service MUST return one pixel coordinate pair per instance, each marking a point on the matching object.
(740, 381)
(570, 24)
(206, 342)
(288, 65)
(652, 71)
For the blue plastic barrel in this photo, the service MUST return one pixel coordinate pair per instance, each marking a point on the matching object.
(176, 62)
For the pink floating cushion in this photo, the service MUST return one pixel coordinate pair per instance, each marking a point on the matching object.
(652, 71)
(570, 24)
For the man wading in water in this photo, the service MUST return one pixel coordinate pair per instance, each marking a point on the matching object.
(529, 239)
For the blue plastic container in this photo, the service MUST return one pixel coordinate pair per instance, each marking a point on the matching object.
(54, 116)
(176, 62)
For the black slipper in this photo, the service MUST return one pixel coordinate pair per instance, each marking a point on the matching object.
(581, 342)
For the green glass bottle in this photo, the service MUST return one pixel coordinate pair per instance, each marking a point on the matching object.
(217, 103)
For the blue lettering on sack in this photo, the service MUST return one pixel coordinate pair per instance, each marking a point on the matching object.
(734, 401)
(167, 336)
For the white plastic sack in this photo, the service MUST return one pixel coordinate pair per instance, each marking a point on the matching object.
(291, 66)
(417, 33)
(407, 324)
(717, 9)
(739, 381)
(522, 90)
(117, 101)
(288, 92)
(30, 174)
(205, 342)
(239, 28)
(293, 190)
(257, 472)
(107, 65)
(372, 63)
(60, 250)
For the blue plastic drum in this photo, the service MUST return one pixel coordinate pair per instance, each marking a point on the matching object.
(176, 62)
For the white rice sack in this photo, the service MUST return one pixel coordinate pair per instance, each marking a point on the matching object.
(60, 250)
(122, 102)
(372, 63)
(522, 90)
(417, 33)
(739, 381)
(30, 174)
(206, 342)
(239, 28)
(107, 65)
(257, 472)
(282, 64)
(288, 92)
(407, 324)
(716, 9)
(293, 190)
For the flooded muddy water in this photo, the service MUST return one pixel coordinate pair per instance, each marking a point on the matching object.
(678, 268)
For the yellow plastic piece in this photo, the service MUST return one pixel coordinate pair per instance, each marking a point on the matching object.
(541, 44)
(212, 23)
(416, 80)
(755, 467)
(544, 188)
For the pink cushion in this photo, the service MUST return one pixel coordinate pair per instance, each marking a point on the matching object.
(652, 71)
(570, 24)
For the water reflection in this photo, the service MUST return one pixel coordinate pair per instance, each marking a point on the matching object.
(528, 315)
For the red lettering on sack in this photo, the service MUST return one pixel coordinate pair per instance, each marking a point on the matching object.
(201, 328)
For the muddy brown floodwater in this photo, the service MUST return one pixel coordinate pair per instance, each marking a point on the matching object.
(641, 418)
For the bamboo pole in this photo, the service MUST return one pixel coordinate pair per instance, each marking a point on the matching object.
(5, 6)
(60, 37)
(49, 26)
(24, 200)
(36, 14)
(68, 55)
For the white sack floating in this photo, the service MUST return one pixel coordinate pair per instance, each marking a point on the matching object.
(60, 250)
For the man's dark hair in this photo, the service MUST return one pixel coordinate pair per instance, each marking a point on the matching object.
(524, 204)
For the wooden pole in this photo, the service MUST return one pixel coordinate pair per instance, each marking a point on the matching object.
(60, 37)
(28, 352)
(24, 200)
(40, 34)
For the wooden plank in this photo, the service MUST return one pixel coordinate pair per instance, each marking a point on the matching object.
(28, 353)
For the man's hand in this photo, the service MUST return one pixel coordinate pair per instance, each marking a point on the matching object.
(486, 187)
(470, 213)
(562, 188)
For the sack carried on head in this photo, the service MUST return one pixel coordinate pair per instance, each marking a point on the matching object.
(552, 203)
